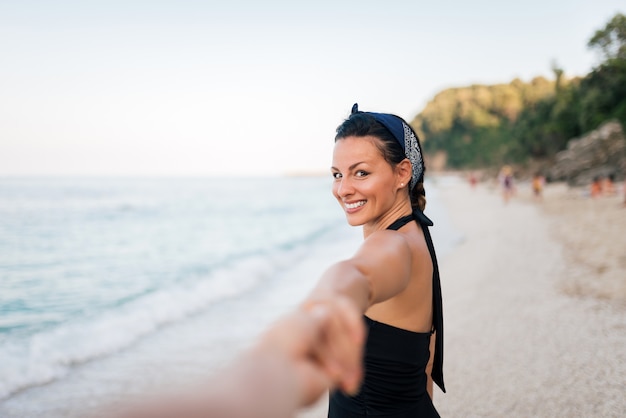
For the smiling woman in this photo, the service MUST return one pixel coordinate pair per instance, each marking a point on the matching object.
(393, 278)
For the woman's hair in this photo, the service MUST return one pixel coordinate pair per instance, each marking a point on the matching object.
(361, 124)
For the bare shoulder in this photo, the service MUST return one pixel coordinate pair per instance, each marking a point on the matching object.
(385, 244)
(385, 258)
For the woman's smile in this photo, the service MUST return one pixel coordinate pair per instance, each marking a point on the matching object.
(352, 207)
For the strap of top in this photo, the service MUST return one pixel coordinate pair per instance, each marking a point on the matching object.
(418, 216)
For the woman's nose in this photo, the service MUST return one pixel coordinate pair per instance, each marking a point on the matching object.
(345, 187)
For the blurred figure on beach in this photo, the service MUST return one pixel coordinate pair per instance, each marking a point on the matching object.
(595, 189)
(505, 178)
(537, 185)
(608, 186)
(472, 178)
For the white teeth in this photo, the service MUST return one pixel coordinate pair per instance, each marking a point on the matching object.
(355, 205)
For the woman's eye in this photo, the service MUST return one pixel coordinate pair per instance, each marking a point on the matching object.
(336, 176)
(361, 173)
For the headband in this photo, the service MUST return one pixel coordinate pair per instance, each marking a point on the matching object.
(405, 137)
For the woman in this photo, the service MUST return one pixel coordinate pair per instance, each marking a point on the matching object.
(393, 278)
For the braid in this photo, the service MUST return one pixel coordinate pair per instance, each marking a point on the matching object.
(418, 196)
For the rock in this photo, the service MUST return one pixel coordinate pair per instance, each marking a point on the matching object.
(601, 152)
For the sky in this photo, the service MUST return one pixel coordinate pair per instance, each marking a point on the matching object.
(247, 88)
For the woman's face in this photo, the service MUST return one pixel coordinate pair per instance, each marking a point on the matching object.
(365, 185)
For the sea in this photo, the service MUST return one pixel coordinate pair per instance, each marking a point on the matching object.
(113, 287)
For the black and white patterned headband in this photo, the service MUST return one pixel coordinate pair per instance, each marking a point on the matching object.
(405, 136)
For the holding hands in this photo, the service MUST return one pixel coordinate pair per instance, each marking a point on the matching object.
(317, 347)
(324, 343)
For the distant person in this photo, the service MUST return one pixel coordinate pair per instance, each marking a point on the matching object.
(595, 190)
(505, 178)
(293, 363)
(473, 180)
(537, 185)
(608, 186)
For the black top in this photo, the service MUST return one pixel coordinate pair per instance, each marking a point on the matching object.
(396, 359)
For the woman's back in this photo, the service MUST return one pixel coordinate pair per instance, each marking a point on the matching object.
(395, 377)
(396, 358)
(412, 308)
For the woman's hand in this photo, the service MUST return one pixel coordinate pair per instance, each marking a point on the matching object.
(324, 341)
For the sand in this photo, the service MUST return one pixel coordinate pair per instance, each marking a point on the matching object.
(534, 310)
(593, 234)
(534, 305)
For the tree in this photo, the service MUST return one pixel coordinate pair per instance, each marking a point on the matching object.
(603, 91)
(612, 39)
(483, 125)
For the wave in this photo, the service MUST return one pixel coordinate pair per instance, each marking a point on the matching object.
(49, 355)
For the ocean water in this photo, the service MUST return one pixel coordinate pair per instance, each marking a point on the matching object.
(105, 280)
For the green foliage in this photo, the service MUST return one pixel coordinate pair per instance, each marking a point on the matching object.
(473, 124)
(484, 125)
(603, 94)
(612, 39)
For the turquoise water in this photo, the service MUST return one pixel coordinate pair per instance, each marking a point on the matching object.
(89, 267)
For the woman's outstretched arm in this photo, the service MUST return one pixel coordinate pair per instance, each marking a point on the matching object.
(379, 270)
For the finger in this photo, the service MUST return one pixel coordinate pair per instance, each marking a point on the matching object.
(313, 383)
(319, 365)
(338, 345)
(347, 344)
(327, 348)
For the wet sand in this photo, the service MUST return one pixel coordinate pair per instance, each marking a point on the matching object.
(534, 305)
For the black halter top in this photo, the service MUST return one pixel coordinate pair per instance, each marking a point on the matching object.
(425, 222)
(395, 360)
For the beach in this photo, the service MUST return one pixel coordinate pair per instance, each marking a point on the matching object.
(534, 308)
(535, 319)
(593, 234)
